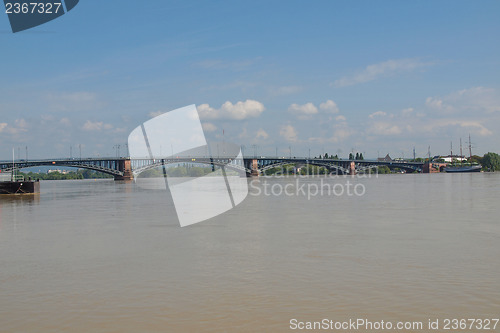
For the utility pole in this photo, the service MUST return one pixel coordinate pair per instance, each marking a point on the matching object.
(70, 152)
(27, 153)
(13, 165)
(80, 148)
(290, 148)
(414, 155)
(254, 151)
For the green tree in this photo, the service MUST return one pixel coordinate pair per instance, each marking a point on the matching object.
(476, 159)
(196, 172)
(383, 169)
(361, 156)
(351, 156)
(491, 162)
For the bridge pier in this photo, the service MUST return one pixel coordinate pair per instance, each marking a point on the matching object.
(352, 168)
(254, 166)
(126, 167)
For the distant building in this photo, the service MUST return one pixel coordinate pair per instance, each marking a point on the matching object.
(57, 170)
(387, 158)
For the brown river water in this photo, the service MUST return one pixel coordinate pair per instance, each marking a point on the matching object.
(105, 256)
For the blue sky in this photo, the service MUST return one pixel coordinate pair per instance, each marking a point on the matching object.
(376, 77)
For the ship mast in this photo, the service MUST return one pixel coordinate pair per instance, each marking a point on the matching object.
(470, 149)
(451, 151)
(461, 154)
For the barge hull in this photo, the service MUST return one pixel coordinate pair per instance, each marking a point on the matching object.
(21, 187)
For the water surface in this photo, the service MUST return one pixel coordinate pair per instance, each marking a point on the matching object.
(104, 256)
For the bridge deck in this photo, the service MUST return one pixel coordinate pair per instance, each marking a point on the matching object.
(123, 166)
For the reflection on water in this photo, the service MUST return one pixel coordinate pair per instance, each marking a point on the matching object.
(92, 256)
(17, 201)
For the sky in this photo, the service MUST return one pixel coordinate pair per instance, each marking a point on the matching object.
(299, 77)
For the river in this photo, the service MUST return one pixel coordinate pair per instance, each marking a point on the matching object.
(105, 256)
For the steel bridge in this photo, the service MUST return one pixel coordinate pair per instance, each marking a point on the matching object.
(124, 168)
(337, 166)
(117, 167)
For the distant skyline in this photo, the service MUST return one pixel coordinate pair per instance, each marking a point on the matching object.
(373, 77)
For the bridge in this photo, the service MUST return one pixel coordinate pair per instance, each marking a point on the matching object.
(124, 168)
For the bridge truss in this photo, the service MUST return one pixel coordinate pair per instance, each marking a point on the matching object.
(125, 168)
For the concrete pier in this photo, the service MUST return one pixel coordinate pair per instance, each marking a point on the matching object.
(352, 168)
(254, 168)
(126, 167)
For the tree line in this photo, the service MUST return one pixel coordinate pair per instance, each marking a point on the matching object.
(489, 161)
(56, 175)
(358, 157)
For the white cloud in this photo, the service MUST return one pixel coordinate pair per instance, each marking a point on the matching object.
(438, 105)
(304, 111)
(155, 113)
(96, 126)
(384, 128)
(120, 130)
(378, 114)
(20, 126)
(386, 68)
(477, 99)
(329, 106)
(209, 127)
(456, 114)
(341, 133)
(239, 111)
(407, 111)
(486, 99)
(65, 122)
(21, 123)
(471, 125)
(289, 133)
(340, 118)
(261, 134)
